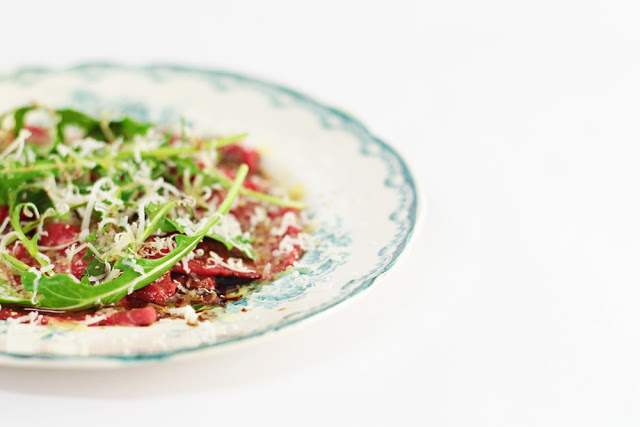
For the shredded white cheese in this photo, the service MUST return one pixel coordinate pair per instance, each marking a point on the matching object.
(187, 312)
(16, 147)
(36, 281)
(289, 219)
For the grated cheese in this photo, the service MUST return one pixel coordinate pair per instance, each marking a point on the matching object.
(36, 281)
(187, 313)
(235, 264)
(259, 216)
(16, 147)
(289, 219)
(288, 244)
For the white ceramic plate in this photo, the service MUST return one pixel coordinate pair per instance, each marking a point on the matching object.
(360, 193)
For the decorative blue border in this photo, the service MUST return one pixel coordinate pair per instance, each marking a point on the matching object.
(405, 216)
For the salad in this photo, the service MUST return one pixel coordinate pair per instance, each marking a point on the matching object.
(120, 222)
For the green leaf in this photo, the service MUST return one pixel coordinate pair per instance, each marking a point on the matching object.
(76, 118)
(244, 245)
(127, 128)
(19, 114)
(62, 292)
(239, 242)
(157, 218)
(95, 267)
(92, 237)
(10, 295)
(13, 174)
(17, 265)
(31, 245)
(169, 226)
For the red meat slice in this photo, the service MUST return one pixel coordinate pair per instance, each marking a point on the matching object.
(39, 136)
(134, 317)
(59, 235)
(7, 313)
(21, 253)
(200, 266)
(291, 258)
(79, 264)
(237, 155)
(158, 292)
(201, 282)
(279, 213)
(4, 213)
(248, 183)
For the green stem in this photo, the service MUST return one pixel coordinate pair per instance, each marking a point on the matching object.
(155, 220)
(225, 207)
(160, 153)
(166, 152)
(20, 266)
(286, 203)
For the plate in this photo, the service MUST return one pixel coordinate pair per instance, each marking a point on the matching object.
(361, 195)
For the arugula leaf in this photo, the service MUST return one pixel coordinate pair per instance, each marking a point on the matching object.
(14, 174)
(127, 128)
(31, 245)
(74, 117)
(169, 225)
(62, 292)
(95, 267)
(18, 116)
(10, 295)
(9, 185)
(17, 265)
(69, 116)
(157, 218)
(92, 237)
(239, 242)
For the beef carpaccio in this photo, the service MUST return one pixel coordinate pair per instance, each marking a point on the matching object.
(118, 222)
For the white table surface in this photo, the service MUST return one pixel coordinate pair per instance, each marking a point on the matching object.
(518, 303)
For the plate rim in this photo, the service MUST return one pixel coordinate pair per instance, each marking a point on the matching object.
(414, 217)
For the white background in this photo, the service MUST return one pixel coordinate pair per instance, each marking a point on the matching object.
(518, 304)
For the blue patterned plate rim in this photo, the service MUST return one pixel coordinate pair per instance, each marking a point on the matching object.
(414, 210)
